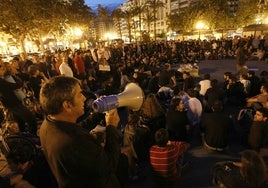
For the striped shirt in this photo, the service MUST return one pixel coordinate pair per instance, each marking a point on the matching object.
(164, 159)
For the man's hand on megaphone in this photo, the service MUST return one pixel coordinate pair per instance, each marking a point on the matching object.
(112, 117)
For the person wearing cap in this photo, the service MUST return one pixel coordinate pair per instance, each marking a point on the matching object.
(73, 154)
(258, 135)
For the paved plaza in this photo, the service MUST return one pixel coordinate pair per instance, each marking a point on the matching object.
(199, 174)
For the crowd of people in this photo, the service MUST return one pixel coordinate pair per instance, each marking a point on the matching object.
(49, 130)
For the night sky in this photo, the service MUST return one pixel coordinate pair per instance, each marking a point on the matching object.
(94, 3)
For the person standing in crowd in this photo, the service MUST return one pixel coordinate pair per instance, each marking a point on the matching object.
(240, 58)
(73, 155)
(64, 68)
(36, 79)
(79, 65)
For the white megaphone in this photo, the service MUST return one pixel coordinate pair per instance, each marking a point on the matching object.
(132, 97)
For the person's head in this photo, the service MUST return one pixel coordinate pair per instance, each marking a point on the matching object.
(62, 94)
(226, 75)
(250, 73)
(243, 77)
(33, 70)
(185, 75)
(167, 67)
(7, 69)
(253, 169)
(176, 104)
(36, 58)
(11, 127)
(232, 79)
(217, 106)
(214, 83)
(19, 151)
(151, 107)
(264, 88)
(161, 137)
(261, 115)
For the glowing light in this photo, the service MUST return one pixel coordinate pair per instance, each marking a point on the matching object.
(110, 36)
(78, 32)
(200, 25)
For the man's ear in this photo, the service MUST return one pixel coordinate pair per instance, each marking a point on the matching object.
(66, 105)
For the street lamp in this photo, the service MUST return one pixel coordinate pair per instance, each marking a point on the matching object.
(78, 32)
(199, 26)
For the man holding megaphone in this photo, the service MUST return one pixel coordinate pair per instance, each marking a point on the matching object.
(73, 155)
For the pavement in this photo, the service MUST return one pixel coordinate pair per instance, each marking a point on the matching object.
(216, 68)
(199, 172)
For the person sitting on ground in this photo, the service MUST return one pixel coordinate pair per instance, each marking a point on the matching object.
(25, 118)
(164, 156)
(259, 100)
(255, 83)
(17, 156)
(235, 92)
(213, 94)
(204, 84)
(251, 172)
(216, 136)
(246, 83)
(177, 121)
(258, 134)
(193, 107)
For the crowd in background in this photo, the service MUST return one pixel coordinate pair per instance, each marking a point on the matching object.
(177, 106)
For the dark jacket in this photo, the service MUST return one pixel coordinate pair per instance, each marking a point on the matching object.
(258, 135)
(231, 178)
(7, 94)
(217, 129)
(75, 158)
(176, 125)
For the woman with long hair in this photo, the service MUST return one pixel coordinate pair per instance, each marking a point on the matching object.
(152, 113)
(251, 172)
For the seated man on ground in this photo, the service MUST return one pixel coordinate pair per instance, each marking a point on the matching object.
(165, 155)
(258, 134)
(216, 128)
(259, 100)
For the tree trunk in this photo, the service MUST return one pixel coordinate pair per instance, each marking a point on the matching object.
(22, 38)
(41, 46)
